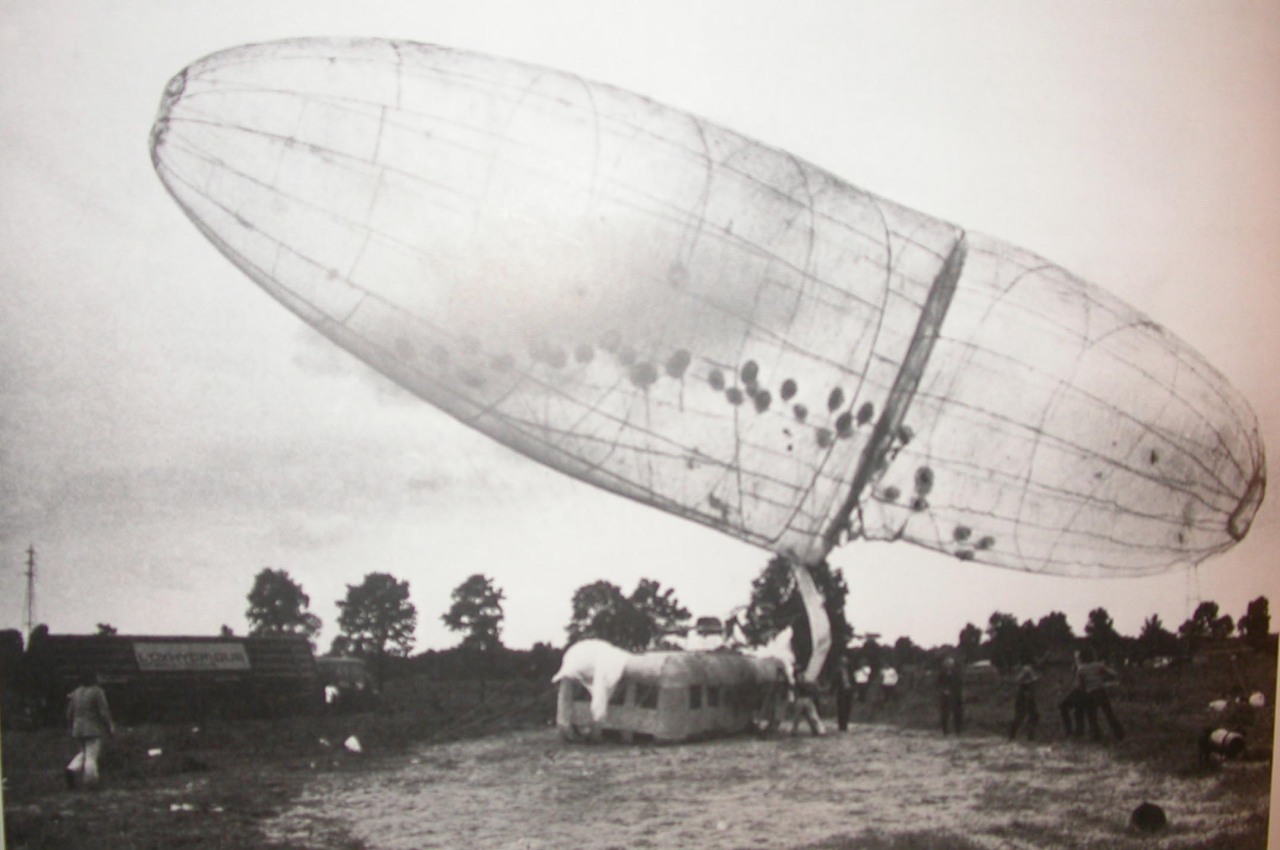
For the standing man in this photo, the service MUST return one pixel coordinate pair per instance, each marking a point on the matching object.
(90, 721)
(331, 696)
(1072, 706)
(844, 692)
(889, 685)
(1094, 677)
(775, 706)
(1024, 701)
(805, 705)
(862, 682)
(950, 695)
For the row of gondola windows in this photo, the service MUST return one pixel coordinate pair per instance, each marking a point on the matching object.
(646, 696)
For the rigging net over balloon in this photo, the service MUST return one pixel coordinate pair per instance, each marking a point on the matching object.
(692, 319)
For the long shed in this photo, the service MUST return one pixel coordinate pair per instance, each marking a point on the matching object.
(156, 678)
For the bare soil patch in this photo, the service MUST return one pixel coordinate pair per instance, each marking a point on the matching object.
(875, 786)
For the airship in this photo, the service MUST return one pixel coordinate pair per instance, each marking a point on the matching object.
(698, 321)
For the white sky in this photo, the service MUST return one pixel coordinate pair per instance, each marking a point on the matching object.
(167, 430)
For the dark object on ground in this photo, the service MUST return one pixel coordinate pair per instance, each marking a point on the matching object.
(1218, 745)
(1148, 817)
(191, 764)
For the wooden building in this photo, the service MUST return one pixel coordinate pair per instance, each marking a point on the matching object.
(153, 678)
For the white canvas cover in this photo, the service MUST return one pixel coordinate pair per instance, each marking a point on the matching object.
(597, 665)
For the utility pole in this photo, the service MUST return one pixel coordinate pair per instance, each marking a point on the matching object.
(31, 590)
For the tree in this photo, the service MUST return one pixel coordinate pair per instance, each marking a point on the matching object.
(1100, 625)
(1054, 632)
(277, 606)
(1004, 638)
(106, 629)
(969, 641)
(602, 611)
(775, 604)
(1029, 641)
(1155, 640)
(1255, 625)
(1102, 632)
(1200, 626)
(635, 622)
(476, 610)
(662, 607)
(906, 653)
(377, 619)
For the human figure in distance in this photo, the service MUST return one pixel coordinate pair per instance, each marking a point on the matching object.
(1073, 705)
(1095, 676)
(805, 706)
(889, 685)
(1024, 700)
(775, 706)
(90, 721)
(844, 693)
(951, 695)
(862, 681)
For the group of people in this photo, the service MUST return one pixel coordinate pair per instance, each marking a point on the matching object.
(1086, 698)
(1085, 706)
(794, 699)
(876, 686)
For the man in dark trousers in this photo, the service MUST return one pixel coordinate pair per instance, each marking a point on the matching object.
(844, 692)
(1072, 707)
(90, 721)
(1024, 700)
(805, 704)
(951, 695)
(1094, 677)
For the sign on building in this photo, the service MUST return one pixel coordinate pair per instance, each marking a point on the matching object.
(156, 656)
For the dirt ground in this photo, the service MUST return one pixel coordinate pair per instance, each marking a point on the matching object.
(481, 767)
(875, 786)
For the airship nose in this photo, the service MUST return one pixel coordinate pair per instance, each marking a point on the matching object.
(1242, 518)
(172, 92)
(269, 169)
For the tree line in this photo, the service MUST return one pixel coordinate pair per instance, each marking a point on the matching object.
(376, 619)
(1006, 642)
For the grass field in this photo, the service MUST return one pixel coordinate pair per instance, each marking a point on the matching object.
(480, 766)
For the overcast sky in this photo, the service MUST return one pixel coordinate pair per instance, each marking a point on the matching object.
(167, 430)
